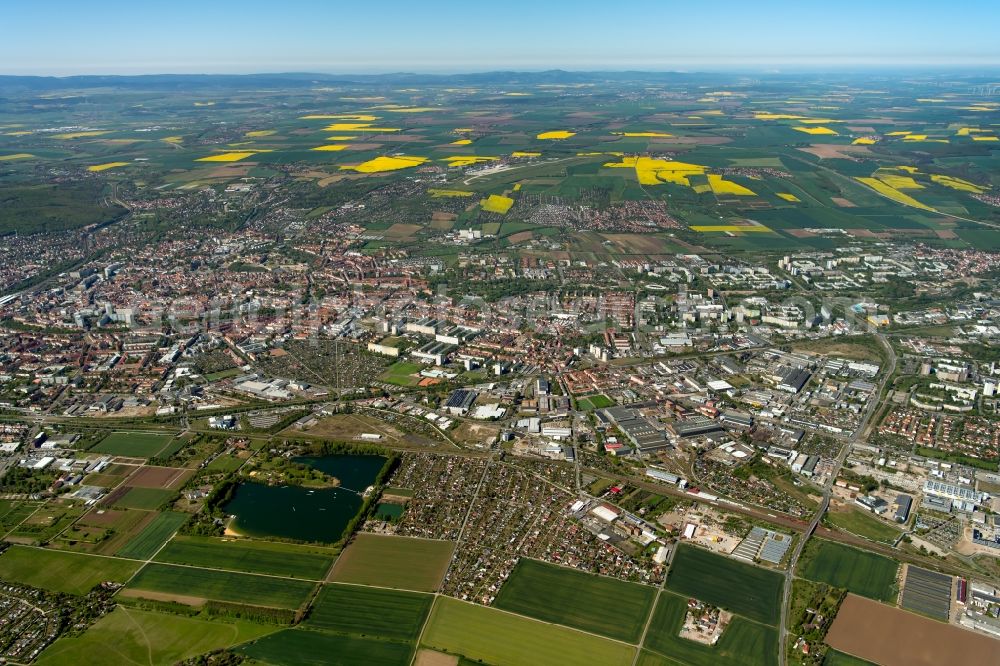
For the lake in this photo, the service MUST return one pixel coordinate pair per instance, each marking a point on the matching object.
(306, 514)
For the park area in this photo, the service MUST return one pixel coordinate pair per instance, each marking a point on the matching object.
(744, 589)
(576, 599)
(858, 571)
(391, 561)
(493, 636)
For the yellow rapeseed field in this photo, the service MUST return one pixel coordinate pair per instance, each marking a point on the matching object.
(815, 130)
(894, 194)
(340, 137)
(257, 133)
(15, 156)
(461, 142)
(720, 185)
(104, 167)
(383, 163)
(333, 147)
(556, 134)
(525, 153)
(957, 184)
(361, 118)
(17, 133)
(985, 138)
(227, 157)
(788, 197)
(358, 127)
(899, 182)
(729, 228)
(80, 135)
(437, 194)
(863, 141)
(497, 203)
(915, 137)
(467, 160)
(649, 171)
(649, 134)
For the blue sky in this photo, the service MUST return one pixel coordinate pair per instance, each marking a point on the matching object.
(215, 36)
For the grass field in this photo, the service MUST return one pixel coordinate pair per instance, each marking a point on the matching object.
(399, 373)
(62, 571)
(592, 402)
(742, 643)
(370, 611)
(744, 589)
(496, 637)
(837, 658)
(868, 574)
(390, 561)
(302, 647)
(863, 524)
(576, 599)
(148, 499)
(200, 584)
(145, 544)
(249, 556)
(133, 444)
(144, 638)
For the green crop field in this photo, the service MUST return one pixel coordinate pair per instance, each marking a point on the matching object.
(391, 561)
(263, 557)
(145, 544)
(145, 498)
(199, 584)
(62, 571)
(868, 574)
(302, 647)
(370, 611)
(496, 637)
(835, 658)
(863, 524)
(133, 444)
(742, 642)
(131, 636)
(744, 589)
(592, 402)
(577, 599)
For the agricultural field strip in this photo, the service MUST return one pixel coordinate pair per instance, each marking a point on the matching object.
(24, 520)
(297, 581)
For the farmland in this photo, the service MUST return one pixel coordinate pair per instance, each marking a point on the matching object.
(496, 637)
(564, 596)
(301, 647)
(194, 586)
(742, 642)
(868, 574)
(133, 444)
(128, 635)
(249, 556)
(144, 498)
(58, 571)
(369, 611)
(746, 590)
(145, 544)
(399, 562)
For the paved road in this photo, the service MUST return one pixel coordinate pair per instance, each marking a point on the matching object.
(845, 449)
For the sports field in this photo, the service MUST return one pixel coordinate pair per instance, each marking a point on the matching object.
(744, 589)
(191, 585)
(144, 638)
(400, 372)
(742, 643)
(370, 611)
(145, 544)
(61, 571)
(577, 599)
(148, 499)
(496, 637)
(264, 557)
(591, 402)
(391, 561)
(868, 574)
(302, 647)
(133, 444)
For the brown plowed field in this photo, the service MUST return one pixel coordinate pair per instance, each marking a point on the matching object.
(894, 637)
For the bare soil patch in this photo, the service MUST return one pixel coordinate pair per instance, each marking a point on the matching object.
(434, 658)
(159, 477)
(164, 596)
(842, 202)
